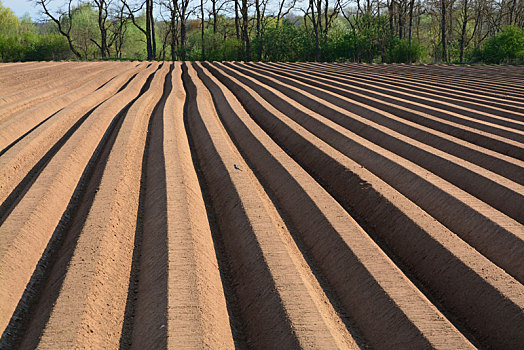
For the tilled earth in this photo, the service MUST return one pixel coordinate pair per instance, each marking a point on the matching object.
(261, 205)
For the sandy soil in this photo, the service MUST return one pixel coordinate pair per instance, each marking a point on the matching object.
(261, 205)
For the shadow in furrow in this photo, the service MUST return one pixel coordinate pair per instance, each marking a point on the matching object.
(8, 147)
(14, 197)
(34, 308)
(127, 83)
(224, 266)
(460, 130)
(490, 162)
(123, 86)
(224, 108)
(413, 266)
(145, 318)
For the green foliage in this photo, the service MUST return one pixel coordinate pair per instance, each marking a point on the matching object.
(9, 23)
(284, 43)
(361, 44)
(85, 29)
(33, 47)
(401, 51)
(219, 49)
(20, 41)
(505, 47)
(365, 38)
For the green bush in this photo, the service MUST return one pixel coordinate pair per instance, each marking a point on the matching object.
(401, 51)
(33, 47)
(283, 43)
(218, 49)
(505, 47)
(354, 45)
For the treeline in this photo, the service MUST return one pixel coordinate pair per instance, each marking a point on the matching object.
(489, 31)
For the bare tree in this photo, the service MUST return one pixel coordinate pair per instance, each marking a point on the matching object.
(512, 11)
(118, 30)
(102, 7)
(149, 31)
(316, 27)
(237, 19)
(151, 19)
(321, 18)
(443, 29)
(464, 28)
(284, 8)
(63, 20)
(203, 29)
(411, 4)
(245, 31)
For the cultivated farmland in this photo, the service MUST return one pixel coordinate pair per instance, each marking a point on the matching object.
(261, 205)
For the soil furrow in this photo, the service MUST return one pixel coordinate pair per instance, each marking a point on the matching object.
(278, 303)
(18, 160)
(501, 116)
(21, 123)
(92, 298)
(468, 285)
(17, 107)
(432, 81)
(495, 190)
(343, 246)
(411, 85)
(481, 138)
(180, 300)
(267, 205)
(493, 125)
(50, 84)
(21, 78)
(427, 72)
(48, 198)
(492, 161)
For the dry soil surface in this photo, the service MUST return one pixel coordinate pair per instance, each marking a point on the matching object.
(261, 205)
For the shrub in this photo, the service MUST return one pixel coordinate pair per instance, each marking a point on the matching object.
(401, 51)
(505, 47)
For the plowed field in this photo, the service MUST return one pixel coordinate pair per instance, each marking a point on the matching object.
(261, 205)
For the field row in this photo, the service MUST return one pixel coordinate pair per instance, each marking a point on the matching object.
(261, 205)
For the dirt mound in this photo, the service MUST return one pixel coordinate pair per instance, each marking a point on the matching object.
(261, 205)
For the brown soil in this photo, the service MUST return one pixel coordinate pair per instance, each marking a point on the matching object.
(261, 205)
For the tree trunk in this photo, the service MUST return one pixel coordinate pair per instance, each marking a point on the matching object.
(411, 3)
(202, 30)
(102, 27)
(443, 30)
(418, 21)
(153, 36)
(326, 8)
(258, 34)
(173, 35)
(72, 47)
(237, 29)
(401, 21)
(319, 18)
(245, 32)
(214, 2)
(449, 24)
(315, 29)
(391, 14)
(237, 20)
(463, 32)
(148, 33)
(512, 12)
(183, 34)
(65, 33)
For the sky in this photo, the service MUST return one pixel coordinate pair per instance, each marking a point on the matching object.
(21, 7)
